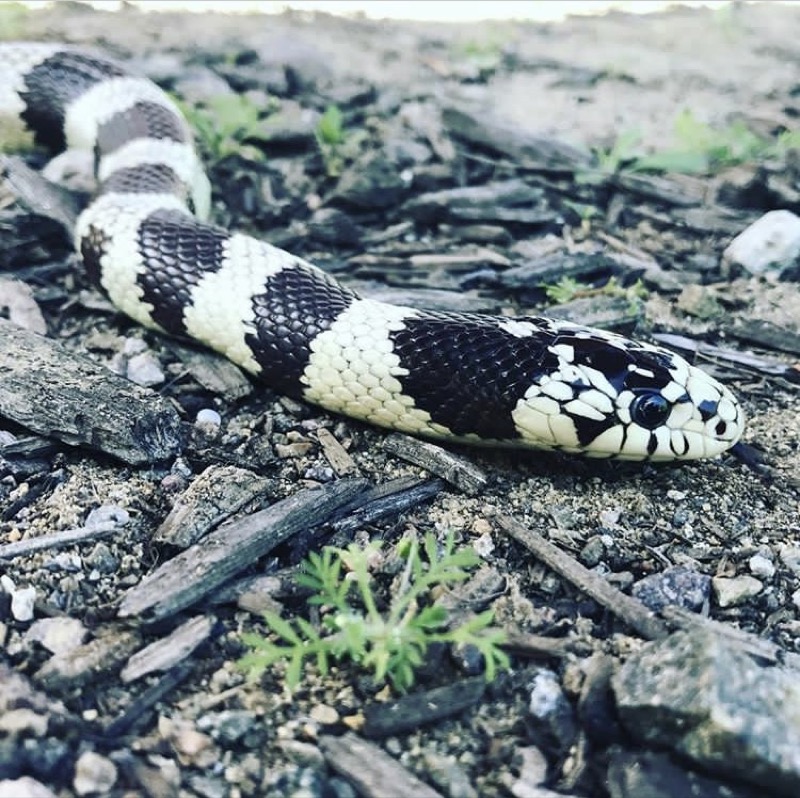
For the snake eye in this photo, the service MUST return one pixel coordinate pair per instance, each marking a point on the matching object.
(649, 410)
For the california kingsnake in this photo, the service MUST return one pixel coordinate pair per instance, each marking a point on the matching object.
(527, 381)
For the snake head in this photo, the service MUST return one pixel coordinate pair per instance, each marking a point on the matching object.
(603, 395)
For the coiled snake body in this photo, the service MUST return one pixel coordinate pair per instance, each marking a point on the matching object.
(525, 381)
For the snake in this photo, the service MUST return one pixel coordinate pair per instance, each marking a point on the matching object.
(509, 381)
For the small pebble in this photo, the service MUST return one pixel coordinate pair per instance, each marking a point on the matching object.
(94, 774)
(677, 586)
(24, 787)
(762, 566)
(730, 591)
(770, 243)
(324, 714)
(57, 635)
(208, 417)
(145, 370)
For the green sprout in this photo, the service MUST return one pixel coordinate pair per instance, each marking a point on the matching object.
(330, 137)
(392, 644)
(224, 122)
(568, 288)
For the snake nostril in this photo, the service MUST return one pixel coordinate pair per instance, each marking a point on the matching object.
(721, 428)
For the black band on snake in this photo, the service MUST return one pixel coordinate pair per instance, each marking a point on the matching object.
(525, 381)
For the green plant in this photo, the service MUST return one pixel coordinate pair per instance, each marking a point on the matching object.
(330, 137)
(568, 288)
(223, 123)
(392, 644)
(564, 290)
(702, 149)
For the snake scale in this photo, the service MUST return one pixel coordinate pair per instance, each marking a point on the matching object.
(523, 381)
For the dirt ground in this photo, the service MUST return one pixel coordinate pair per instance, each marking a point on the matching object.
(583, 82)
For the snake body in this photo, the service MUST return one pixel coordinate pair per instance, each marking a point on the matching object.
(525, 381)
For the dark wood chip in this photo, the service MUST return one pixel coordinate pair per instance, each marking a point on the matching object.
(81, 403)
(216, 494)
(383, 719)
(203, 567)
(456, 470)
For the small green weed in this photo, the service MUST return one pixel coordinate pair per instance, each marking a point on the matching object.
(392, 644)
(222, 125)
(699, 149)
(568, 288)
(330, 137)
(702, 149)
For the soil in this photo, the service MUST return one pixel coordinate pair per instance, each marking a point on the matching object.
(584, 83)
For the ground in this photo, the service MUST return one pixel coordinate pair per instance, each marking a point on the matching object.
(610, 89)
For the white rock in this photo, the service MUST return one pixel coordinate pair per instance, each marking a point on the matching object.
(24, 787)
(94, 774)
(762, 566)
(57, 635)
(144, 369)
(22, 601)
(773, 241)
(730, 591)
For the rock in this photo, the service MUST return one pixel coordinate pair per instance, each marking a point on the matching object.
(227, 726)
(24, 787)
(677, 586)
(372, 182)
(144, 369)
(708, 701)
(57, 635)
(324, 715)
(730, 591)
(22, 599)
(94, 774)
(772, 243)
(332, 226)
(657, 776)
(532, 772)
(761, 565)
(552, 714)
(449, 776)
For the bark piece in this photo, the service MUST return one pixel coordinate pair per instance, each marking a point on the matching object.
(456, 470)
(418, 709)
(371, 770)
(86, 662)
(232, 547)
(169, 651)
(215, 495)
(81, 403)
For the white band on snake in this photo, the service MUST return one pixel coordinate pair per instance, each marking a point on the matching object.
(528, 381)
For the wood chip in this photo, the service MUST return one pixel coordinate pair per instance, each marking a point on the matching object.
(87, 662)
(382, 719)
(68, 537)
(458, 471)
(370, 769)
(232, 547)
(214, 372)
(335, 453)
(528, 645)
(81, 403)
(629, 609)
(216, 494)
(386, 500)
(163, 654)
